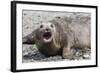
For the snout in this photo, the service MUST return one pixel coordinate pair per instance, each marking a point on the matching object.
(47, 35)
(47, 30)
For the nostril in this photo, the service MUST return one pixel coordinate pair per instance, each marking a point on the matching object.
(47, 29)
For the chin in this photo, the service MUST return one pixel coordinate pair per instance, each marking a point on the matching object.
(47, 40)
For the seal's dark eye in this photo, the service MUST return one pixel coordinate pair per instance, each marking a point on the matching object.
(52, 26)
(41, 26)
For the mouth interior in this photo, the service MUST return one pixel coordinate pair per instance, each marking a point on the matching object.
(47, 35)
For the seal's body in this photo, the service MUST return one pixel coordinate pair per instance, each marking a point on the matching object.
(60, 35)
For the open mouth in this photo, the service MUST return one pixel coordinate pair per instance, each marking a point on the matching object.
(47, 35)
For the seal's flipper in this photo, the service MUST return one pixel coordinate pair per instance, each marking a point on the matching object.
(29, 39)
